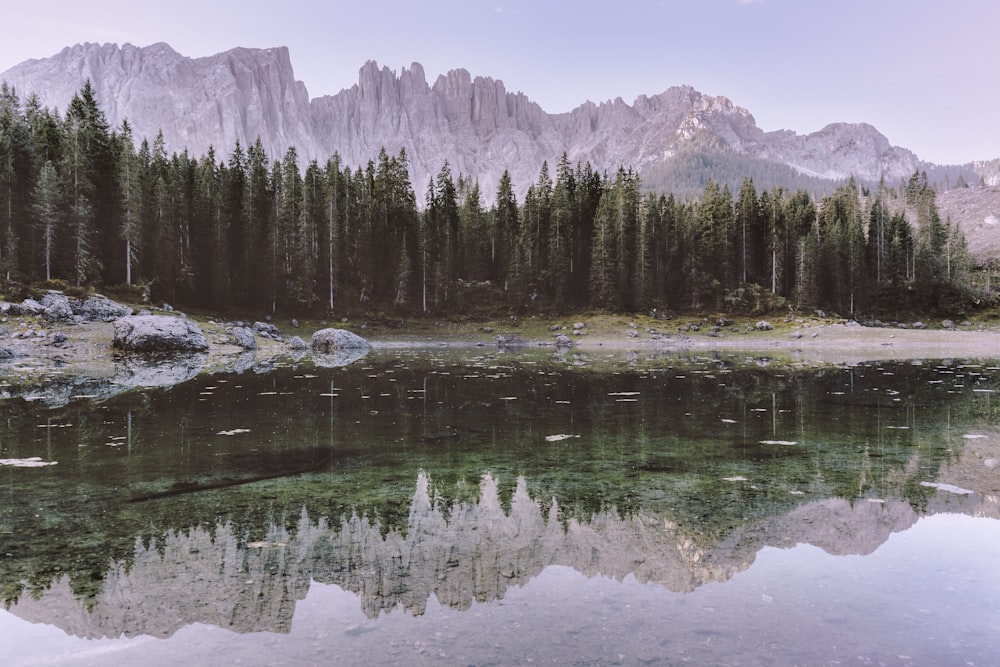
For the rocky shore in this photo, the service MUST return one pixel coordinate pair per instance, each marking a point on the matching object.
(58, 348)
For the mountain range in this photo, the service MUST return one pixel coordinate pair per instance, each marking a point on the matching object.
(475, 124)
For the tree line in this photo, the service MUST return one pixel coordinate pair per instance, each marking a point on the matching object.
(82, 204)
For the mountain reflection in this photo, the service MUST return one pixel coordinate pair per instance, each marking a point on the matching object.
(460, 552)
(453, 475)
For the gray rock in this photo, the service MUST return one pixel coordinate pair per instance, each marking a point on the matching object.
(99, 308)
(562, 340)
(158, 333)
(31, 307)
(578, 326)
(296, 343)
(267, 330)
(6, 353)
(948, 324)
(330, 340)
(243, 337)
(764, 325)
(57, 306)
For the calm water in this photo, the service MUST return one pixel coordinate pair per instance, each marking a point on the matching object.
(469, 508)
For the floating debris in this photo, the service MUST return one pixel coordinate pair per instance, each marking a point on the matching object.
(734, 479)
(728, 421)
(949, 488)
(787, 443)
(235, 431)
(973, 436)
(559, 436)
(624, 393)
(31, 462)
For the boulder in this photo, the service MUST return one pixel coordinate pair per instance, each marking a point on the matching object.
(296, 343)
(31, 307)
(562, 340)
(6, 354)
(330, 340)
(243, 337)
(267, 330)
(158, 333)
(57, 306)
(98, 308)
(764, 325)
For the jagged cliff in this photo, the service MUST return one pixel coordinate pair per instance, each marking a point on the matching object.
(475, 124)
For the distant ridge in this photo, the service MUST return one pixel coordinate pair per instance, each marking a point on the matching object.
(475, 124)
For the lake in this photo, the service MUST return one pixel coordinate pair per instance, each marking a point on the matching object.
(445, 506)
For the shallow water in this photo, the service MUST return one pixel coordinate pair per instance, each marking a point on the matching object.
(464, 507)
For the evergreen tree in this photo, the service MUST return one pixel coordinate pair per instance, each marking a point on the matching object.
(505, 231)
(47, 197)
(130, 173)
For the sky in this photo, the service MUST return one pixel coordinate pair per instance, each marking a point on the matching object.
(926, 73)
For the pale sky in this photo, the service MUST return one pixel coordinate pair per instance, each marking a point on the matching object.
(926, 73)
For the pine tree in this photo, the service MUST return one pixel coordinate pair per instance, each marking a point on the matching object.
(47, 196)
(130, 173)
(558, 271)
(505, 230)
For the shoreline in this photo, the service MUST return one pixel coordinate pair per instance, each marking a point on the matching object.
(43, 371)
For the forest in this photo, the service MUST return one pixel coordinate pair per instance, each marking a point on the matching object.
(83, 207)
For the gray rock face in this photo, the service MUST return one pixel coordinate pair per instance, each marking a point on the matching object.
(333, 340)
(158, 333)
(474, 123)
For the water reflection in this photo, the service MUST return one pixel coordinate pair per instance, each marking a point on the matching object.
(459, 554)
(456, 482)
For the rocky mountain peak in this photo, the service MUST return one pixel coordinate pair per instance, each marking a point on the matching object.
(472, 122)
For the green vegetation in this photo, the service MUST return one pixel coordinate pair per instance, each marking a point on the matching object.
(250, 233)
